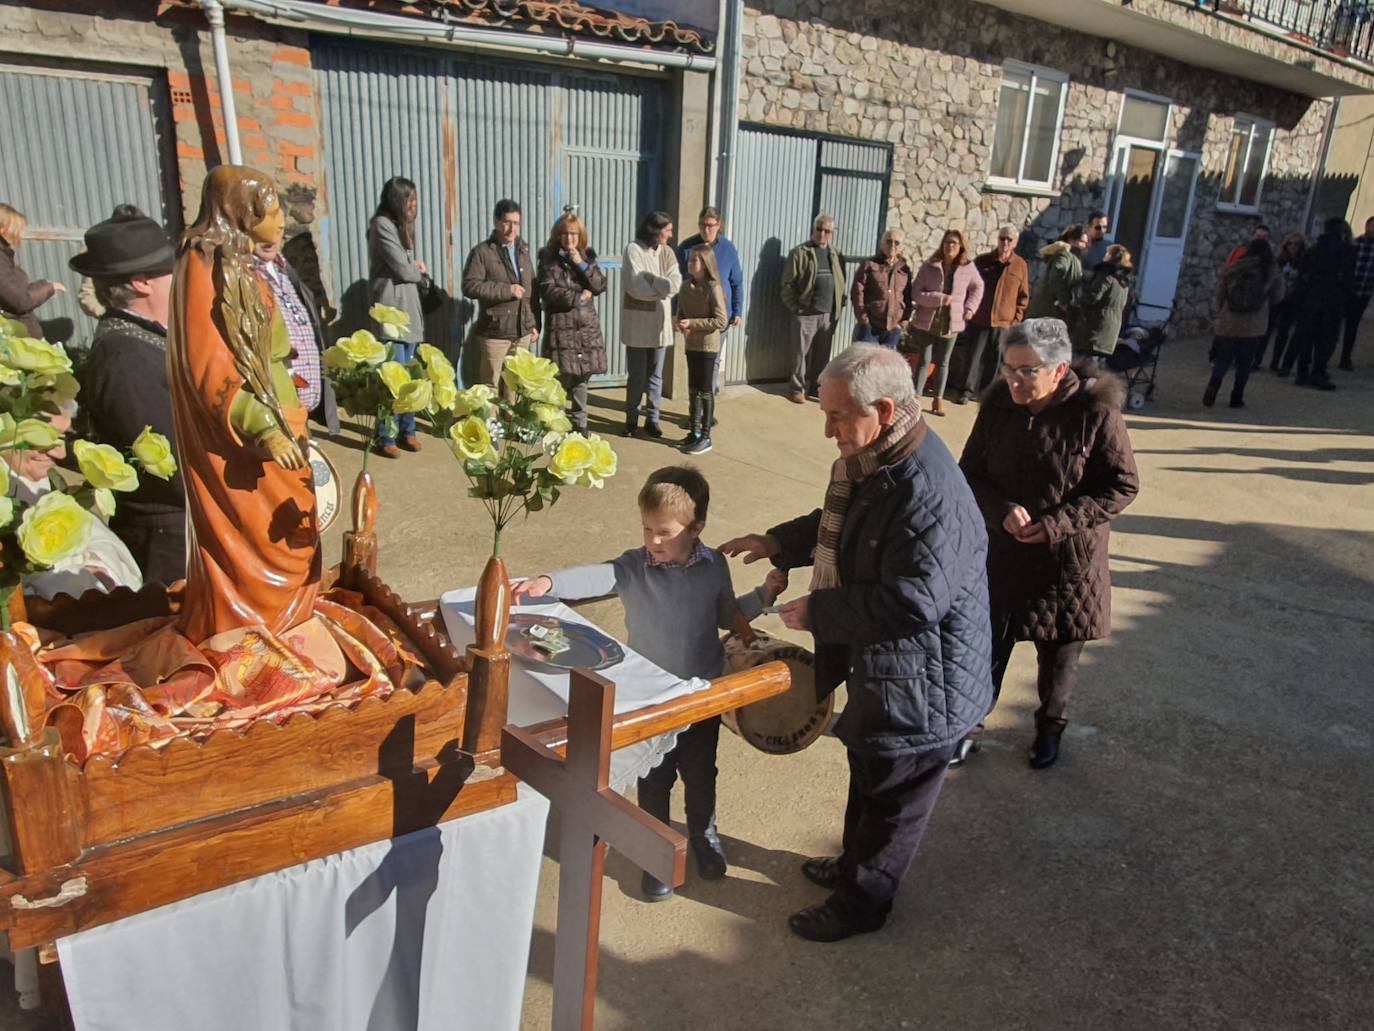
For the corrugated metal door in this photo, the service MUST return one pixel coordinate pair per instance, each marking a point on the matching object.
(538, 134)
(95, 141)
(784, 179)
(386, 113)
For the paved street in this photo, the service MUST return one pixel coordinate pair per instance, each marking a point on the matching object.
(1201, 855)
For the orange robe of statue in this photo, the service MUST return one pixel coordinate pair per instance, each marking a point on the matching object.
(253, 546)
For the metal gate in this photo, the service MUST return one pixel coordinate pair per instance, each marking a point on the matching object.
(785, 179)
(470, 132)
(94, 140)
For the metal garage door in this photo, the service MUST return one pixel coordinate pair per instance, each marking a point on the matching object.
(470, 132)
(784, 179)
(96, 140)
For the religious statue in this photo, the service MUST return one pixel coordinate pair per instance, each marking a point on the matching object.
(253, 548)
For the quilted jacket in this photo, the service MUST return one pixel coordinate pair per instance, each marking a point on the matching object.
(908, 629)
(1070, 467)
(572, 329)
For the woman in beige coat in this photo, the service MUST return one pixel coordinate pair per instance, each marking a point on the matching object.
(701, 317)
(651, 279)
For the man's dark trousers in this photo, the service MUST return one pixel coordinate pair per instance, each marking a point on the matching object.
(890, 802)
(1354, 311)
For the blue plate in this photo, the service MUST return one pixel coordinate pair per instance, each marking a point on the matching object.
(590, 648)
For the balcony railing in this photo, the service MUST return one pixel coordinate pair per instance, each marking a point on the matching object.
(1343, 28)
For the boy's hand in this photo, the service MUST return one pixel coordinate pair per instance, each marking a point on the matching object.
(774, 584)
(534, 587)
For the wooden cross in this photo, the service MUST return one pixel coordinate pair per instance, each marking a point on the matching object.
(591, 815)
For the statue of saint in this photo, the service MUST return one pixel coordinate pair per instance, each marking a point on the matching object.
(253, 546)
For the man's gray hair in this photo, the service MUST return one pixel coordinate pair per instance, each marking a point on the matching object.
(871, 372)
(1048, 338)
(1009, 230)
(822, 220)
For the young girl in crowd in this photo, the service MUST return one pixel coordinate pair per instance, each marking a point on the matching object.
(701, 317)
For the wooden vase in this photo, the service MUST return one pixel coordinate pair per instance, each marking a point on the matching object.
(493, 606)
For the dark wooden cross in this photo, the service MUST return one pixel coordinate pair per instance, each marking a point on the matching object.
(591, 816)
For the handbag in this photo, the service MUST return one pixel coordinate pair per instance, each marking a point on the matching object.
(432, 295)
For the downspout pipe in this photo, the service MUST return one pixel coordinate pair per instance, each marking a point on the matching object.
(730, 79)
(214, 13)
(347, 21)
(1320, 172)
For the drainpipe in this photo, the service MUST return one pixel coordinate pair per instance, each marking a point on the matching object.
(214, 13)
(1320, 172)
(733, 37)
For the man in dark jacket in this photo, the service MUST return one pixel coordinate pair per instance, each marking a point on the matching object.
(898, 608)
(813, 291)
(499, 276)
(1006, 293)
(1325, 281)
(124, 385)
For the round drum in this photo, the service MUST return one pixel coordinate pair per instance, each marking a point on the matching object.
(787, 722)
(326, 479)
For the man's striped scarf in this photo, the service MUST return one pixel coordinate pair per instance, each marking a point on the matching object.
(899, 439)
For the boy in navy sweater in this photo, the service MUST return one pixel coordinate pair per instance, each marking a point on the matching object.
(678, 596)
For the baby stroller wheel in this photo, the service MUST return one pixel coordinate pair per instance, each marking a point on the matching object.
(1136, 400)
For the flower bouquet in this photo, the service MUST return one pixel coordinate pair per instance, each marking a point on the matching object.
(519, 453)
(36, 387)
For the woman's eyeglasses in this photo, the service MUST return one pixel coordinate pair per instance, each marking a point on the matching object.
(1019, 371)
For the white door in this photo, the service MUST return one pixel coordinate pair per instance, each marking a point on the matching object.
(1136, 166)
(1171, 215)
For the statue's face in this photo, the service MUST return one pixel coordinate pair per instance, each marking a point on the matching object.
(269, 230)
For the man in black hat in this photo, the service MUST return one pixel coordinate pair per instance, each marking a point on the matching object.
(124, 386)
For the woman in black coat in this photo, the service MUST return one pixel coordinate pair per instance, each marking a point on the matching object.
(1050, 462)
(569, 281)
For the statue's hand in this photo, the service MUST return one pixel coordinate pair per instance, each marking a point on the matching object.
(283, 450)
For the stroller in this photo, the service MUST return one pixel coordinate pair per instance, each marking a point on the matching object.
(1136, 358)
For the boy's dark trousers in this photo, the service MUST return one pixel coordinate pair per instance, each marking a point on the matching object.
(694, 758)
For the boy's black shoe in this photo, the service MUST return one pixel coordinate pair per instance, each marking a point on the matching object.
(655, 890)
(832, 921)
(710, 857)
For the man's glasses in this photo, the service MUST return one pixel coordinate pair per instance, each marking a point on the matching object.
(1006, 239)
(825, 232)
(1019, 371)
(703, 226)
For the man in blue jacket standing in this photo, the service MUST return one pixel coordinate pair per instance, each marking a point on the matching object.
(898, 607)
(731, 274)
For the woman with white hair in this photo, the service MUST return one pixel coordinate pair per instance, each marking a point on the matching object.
(1050, 462)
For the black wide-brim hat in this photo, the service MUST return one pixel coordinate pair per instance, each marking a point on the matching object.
(125, 247)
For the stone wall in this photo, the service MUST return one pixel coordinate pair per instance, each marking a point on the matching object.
(273, 84)
(926, 78)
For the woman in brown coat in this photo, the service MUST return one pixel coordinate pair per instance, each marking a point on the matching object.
(1050, 463)
(19, 296)
(701, 316)
(882, 306)
(569, 281)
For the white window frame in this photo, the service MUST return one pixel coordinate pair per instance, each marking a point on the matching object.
(1243, 121)
(1153, 98)
(1036, 72)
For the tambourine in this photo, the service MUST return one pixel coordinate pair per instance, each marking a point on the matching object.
(326, 480)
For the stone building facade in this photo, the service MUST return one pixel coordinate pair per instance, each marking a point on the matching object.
(926, 78)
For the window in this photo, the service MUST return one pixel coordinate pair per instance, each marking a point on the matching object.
(1144, 117)
(1246, 161)
(1029, 112)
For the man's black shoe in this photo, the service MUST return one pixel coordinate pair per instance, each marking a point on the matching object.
(655, 890)
(1045, 750)
(962, 751)
(1324, 383)
(653, 429)
(823, 871)
(831, 922)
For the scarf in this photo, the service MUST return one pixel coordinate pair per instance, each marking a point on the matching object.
(901, 437)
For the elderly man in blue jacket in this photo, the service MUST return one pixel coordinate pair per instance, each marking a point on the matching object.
(898, 607)
(731, 274)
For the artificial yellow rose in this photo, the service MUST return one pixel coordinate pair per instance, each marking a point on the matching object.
(4, 478)
(549, 393)
(530, 376)
(574, 455)
(37, 434)
(414, 396)
(64, 388)
(470, 440)
(437, 366)
(362, 348)
(394, 375)
(445, 396)
(30, 354)
(54, 528)
(551, 417)
(9, 377)
(604, 461)
(154, 453)
(394, 322)
(474, 400)
(104, 467)
(12, 328)
(6, 511)
(105, 502)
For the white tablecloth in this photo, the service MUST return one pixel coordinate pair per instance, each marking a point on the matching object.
(428, 932)
(537, 695)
